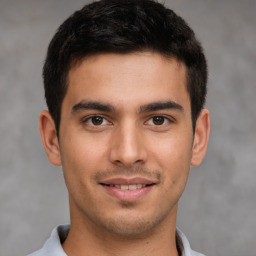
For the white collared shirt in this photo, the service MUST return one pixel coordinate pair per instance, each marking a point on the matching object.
(52, 246)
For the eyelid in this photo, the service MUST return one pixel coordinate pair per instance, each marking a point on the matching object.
(168, 119)
(86, 120)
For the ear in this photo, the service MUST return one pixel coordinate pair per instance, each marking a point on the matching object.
(201, 137)
(49, 137)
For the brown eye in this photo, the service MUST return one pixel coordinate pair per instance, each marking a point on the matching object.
(158, 120)
(97, 120)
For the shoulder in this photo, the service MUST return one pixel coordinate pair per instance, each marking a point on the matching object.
(193, 253)
(52, 246)
(37, 253)
(186, 249)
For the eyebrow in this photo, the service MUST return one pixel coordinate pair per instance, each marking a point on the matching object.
(160, 106)
(95, 105)
(154, 106)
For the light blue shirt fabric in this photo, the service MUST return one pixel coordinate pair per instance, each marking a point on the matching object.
(52, 246)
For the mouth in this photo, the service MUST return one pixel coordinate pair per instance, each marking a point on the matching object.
(128, 189)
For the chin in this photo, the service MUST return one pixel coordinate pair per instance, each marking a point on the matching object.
(130, 226)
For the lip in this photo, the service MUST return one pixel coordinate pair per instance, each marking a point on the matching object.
(128, 195)
(128, 181)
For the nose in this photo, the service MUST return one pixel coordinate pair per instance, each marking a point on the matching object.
(127, 147)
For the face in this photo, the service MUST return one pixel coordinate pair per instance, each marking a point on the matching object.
(126, 141)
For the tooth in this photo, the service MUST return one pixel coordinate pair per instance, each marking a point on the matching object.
(124, 187)
(132, 187)
(128, 187)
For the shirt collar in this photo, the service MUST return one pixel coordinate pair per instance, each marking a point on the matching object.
(52, 246)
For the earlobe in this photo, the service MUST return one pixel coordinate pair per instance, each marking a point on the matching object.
(201, 137)
(49, 137)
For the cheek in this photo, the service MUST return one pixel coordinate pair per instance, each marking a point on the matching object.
(173, 157)
(175, 151)
(79, 162)
(81, 158)
(83, 152)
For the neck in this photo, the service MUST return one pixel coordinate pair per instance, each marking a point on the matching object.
(86, 238)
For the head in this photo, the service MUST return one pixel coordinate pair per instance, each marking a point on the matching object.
(123, 26)
(125, 83)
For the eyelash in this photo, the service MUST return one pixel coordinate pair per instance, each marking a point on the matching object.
(89, 120)
(166, 120)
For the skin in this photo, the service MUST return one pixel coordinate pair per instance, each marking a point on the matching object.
(143, 129)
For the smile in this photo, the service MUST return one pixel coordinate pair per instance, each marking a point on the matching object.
(128, 187)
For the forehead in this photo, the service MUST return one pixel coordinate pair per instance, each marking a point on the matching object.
(127, 78)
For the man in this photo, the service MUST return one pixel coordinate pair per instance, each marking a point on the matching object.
(125, 85)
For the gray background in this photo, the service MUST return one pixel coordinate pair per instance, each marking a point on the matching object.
(217, 211)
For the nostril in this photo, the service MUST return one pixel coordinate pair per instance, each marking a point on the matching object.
(127, 150)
